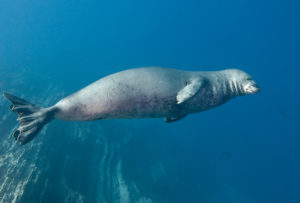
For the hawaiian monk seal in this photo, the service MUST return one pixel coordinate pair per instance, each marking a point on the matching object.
(137, 93)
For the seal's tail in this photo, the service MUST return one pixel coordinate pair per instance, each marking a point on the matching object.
(31, 118)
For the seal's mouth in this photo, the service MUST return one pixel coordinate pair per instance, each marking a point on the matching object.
(256, 88)
(252, 88)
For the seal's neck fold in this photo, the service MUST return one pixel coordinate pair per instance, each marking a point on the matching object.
(230, 86)
(234, 88)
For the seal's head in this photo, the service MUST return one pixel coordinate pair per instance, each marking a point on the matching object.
(242, 82)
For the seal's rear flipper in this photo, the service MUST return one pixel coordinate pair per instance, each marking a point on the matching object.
(31, 118)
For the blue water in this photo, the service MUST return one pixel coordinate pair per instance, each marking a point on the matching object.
(242, 152)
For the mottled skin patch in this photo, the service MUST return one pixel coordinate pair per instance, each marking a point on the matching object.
(151, 93)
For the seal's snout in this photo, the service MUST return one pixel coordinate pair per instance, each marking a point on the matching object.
(252, 88)
(256, 88)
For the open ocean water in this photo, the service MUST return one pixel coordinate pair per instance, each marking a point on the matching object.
(246, 151)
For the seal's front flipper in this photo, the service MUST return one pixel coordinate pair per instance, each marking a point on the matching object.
(190, 90)
(31, 118)
(174, 118)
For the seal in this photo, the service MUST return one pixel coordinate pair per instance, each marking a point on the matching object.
(150, 92)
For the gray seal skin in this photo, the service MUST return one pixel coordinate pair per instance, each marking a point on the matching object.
(137, 93)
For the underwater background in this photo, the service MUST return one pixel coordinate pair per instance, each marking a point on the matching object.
(245, 151)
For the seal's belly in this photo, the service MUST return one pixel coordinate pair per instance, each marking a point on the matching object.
(139, 107)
